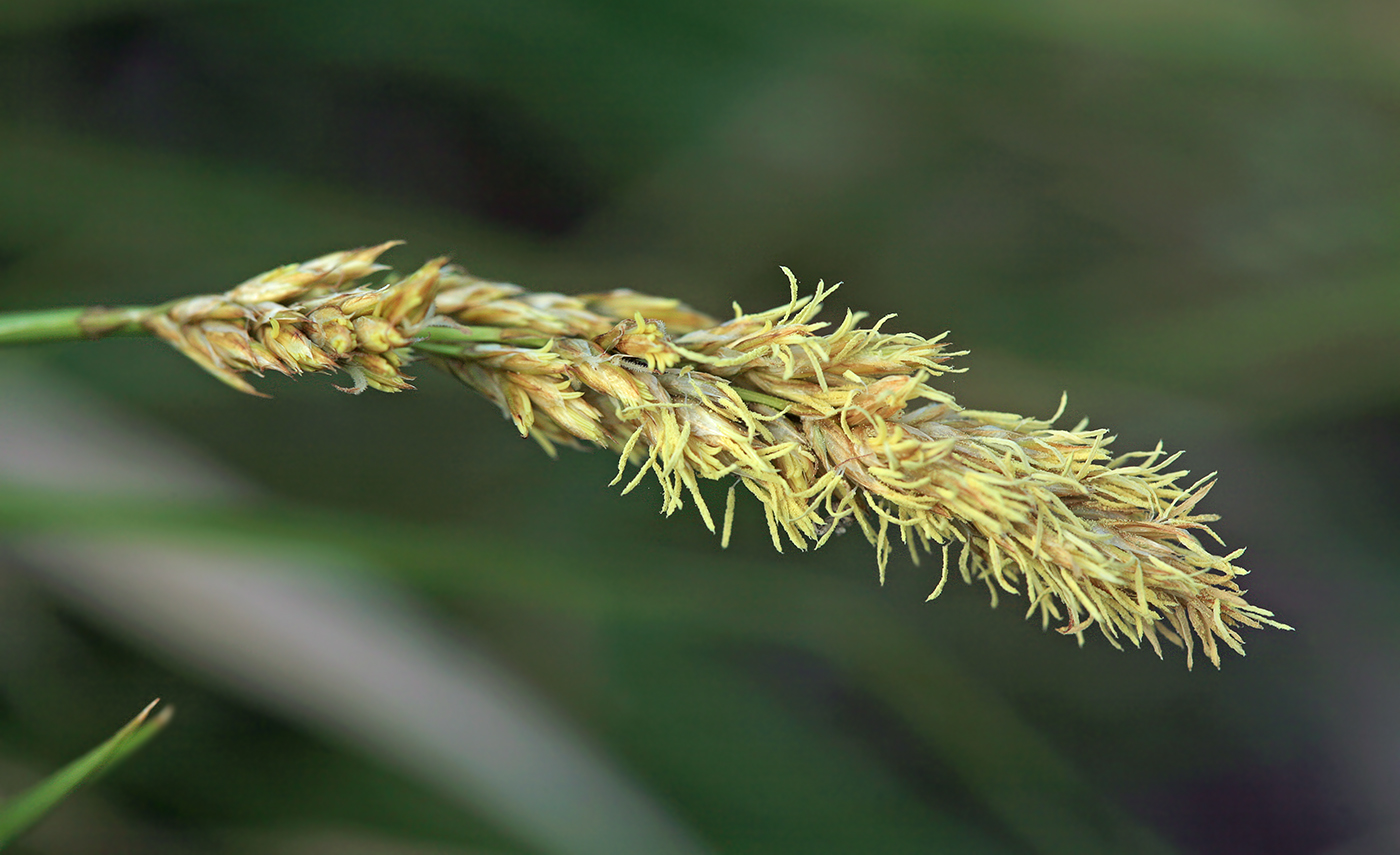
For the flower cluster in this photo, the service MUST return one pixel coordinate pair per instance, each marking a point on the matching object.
(306, 317)
(832, 427)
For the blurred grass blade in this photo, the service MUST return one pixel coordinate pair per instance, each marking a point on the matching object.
(20, 813)
(314, 638)
(311, 633)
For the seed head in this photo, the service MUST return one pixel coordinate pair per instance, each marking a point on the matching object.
(828, 427)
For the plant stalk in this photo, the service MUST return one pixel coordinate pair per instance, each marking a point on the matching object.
(71, 324)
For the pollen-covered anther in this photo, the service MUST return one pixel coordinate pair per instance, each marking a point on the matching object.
(829, 426)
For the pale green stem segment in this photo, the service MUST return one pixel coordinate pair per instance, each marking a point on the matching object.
(760, 398)
(70, 324)
(438, 339)
(20, 813)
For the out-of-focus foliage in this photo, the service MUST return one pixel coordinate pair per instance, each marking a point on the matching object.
(1185, 214)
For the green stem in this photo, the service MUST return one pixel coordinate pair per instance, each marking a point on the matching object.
(70, 324)
(760, 398)
(447, 336)
(457, 341)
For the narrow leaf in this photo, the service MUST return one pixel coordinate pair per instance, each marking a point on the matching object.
(26, 809)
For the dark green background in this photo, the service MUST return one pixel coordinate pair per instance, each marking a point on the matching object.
(1186, 214)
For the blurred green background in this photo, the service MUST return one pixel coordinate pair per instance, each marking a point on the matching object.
(391, 625)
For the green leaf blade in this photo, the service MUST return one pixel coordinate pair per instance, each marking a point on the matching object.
(22, 812)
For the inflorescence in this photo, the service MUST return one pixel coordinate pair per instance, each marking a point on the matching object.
(827, 427)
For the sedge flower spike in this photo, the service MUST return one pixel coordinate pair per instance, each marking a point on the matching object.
(305, 317)
(828, 427)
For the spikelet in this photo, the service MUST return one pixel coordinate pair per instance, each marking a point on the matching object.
(306, 317)
(840, 427)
